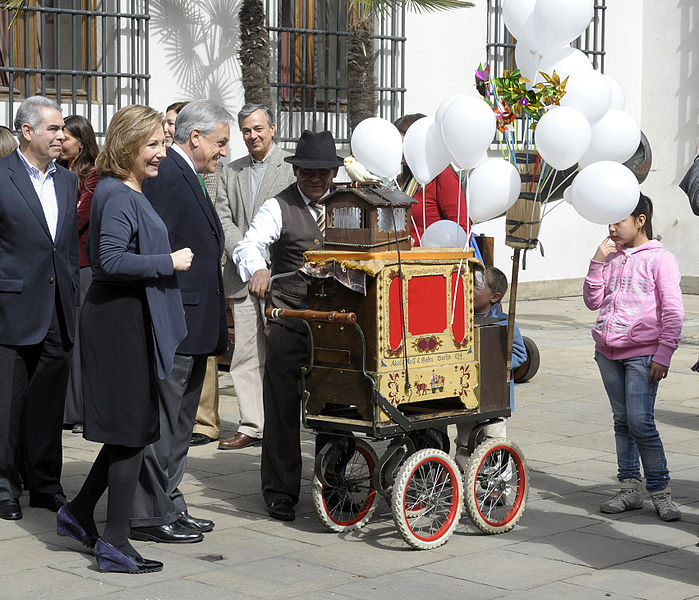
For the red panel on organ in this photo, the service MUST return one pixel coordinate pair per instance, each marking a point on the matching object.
(458, 327)
(427, 306)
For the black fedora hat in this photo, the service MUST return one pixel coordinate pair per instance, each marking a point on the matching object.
(315, 151)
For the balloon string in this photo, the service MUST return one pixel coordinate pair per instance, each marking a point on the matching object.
(552, 191)
(424, 214)
(468, 206)
(417, 233)
(458, 206)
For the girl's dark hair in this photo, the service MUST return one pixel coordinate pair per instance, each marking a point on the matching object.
(645, 207)
(81, 129)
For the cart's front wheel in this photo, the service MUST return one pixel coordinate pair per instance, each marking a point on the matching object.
(427, 496)
(349, 498)
(497, 486)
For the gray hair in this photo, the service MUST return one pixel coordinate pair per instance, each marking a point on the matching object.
(29, 111)
(203, 115)
(250, 108)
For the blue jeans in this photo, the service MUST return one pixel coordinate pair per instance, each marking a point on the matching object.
(632, 398)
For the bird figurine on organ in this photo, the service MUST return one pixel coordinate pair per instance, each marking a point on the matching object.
(357, 171)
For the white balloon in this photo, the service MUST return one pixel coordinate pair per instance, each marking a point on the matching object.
(562, 136)
(615, 136)
(618, 95)
(377, 144)
(493, 187)
(424, 150)
(518, 17)
(527, 61)
(444, 234)
(567, 195)
(605, 192)
(589, 92)
(468, 128)
(565, 61)
(444, 104)
(558, 22)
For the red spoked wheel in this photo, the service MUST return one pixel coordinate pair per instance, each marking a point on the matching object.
(497, 486)
(427, 497)
(347, 498)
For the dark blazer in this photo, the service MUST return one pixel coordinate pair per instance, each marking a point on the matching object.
(31, 263)
(193, 223)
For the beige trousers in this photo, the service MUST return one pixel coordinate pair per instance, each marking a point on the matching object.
(207, 419)
(248, 363)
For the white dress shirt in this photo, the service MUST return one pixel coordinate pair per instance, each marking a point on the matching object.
(266, 228)
(45, 190)
(184, 155)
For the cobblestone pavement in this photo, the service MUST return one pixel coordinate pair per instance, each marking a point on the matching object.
(562, 548)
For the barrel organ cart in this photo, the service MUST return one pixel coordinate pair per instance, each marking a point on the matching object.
(394, 357)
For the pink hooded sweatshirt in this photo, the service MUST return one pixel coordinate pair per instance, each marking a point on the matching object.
(638, 293)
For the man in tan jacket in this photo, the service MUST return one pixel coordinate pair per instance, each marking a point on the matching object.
(245, 184)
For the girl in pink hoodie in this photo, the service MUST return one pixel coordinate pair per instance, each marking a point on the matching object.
(635, 283)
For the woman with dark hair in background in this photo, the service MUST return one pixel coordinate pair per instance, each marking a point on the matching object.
(78, 155)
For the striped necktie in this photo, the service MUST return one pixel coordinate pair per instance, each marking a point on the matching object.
(320, 216)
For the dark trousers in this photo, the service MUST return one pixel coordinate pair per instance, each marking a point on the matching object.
(281, 440)
(33, 382)
(158, 498)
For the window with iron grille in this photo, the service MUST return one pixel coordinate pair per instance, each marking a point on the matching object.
(91, 56)
(500, 44)
(309, 78)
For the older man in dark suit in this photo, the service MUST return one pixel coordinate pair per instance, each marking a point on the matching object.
(38, 295)
(245, 185)
(178, 194)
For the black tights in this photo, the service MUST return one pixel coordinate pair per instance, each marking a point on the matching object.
(116, 468)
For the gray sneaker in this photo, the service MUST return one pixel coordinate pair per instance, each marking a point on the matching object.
(667, 510)
(629, 497)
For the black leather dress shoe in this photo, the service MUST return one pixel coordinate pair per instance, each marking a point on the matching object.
(10, 510)
(199, 439)
(51, 501)
(187, 520)
(172, 533)
(283, 510)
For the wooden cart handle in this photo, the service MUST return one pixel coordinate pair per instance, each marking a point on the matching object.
(310, 315)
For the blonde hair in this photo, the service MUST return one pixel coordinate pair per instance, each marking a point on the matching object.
(128, 130)
(8, 143)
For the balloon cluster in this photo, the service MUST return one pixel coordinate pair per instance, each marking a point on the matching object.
(460, 133)
(575, 111)
(589, 127)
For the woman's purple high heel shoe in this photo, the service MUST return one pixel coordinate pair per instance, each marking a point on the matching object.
(67, 525)
(112, 560)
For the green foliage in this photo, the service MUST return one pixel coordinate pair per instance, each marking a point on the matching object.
(419, 6)
(17, 5)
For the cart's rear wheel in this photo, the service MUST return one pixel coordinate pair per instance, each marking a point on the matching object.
(497, 486)
(431, 438)
(427, 495)
(349, 498)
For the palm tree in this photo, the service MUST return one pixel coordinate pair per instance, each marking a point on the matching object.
(254, 53)
(361, 56)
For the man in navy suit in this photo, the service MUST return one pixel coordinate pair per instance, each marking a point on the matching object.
(38, 295)
(202, 131)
